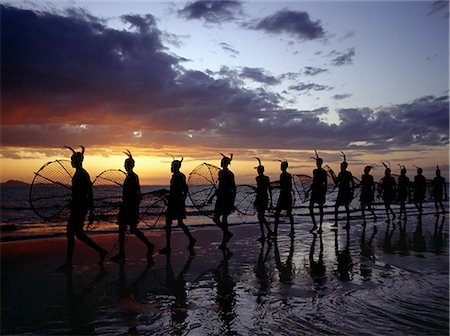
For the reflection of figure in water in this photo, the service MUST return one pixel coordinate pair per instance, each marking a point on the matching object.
(387, 241)
(418, 237)
(403, 191)
(129, 294)
(177, 286)
(176, 208)
(226, 194)
(263, 190)
(285, 198)
(345, 183)
(262, 272)
(318, 191)
(367, 254)
(129, 210)
(438, 239)
(81, 314)
(402, 245)
(367, 193)
(81, 203)
(317, 268)
(420, 189)
(344, 259)
(388, 190)
(226, 295)
(439, 191)
(285, 269)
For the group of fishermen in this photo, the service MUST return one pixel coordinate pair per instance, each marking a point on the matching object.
(225, 194)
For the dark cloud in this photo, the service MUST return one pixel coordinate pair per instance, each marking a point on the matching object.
(212, 11)
(295, 23)
(342, 58)
(313, 71)
(341, 96)
(302, 87)
(69, 79)
(438, 6)
(259, 75)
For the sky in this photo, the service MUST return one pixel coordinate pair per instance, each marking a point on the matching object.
(271, 79)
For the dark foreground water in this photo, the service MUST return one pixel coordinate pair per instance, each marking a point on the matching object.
(392, 281)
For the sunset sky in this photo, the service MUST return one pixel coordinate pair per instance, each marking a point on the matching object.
(256, 78)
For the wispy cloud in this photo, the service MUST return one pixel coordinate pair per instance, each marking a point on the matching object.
(342, 58)
(341, 96)
(302, 87)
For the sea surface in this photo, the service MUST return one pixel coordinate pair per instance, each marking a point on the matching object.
(385, 278)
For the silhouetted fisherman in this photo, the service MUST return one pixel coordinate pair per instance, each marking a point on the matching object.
(129, 210)
(403, 191)
(176, 205)
(318, 191)
(388, 189)
(439, 190)
(226, 194)
(367, 193)
(285, 198)
(420, 189)
(81, 203)
(344, 181)
(263, 191)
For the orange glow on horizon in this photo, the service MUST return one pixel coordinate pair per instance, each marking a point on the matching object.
(153, 165)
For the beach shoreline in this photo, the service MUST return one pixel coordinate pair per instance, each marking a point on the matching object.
(399, 270)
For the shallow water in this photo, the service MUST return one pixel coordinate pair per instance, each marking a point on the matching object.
(390, 282)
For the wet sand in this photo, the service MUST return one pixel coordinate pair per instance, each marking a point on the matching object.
(394, 281)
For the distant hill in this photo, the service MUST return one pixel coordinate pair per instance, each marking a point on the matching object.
(14, 184)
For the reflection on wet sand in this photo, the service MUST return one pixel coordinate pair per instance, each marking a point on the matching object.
(390, 278)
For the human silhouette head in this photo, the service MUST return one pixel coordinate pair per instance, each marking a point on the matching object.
(129, 162)
(260, 168)
(225, 160)
(284, 165)
(344, 163)
(387, 171)
(77, 157)
(319, 161)
(403, 171)
(367, 169)
(438, 171)
(176, 165)
(419, 171)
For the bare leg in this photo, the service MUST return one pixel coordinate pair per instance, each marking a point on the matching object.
(321, 218)
(168, 228)
(120, 257)
(291, 219)
(277, 219)
(336, 208)
(138, 233)
(313, 218)
(187, 233)
(67, 266)
(81, 235)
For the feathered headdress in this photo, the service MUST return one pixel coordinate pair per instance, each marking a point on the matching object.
(75, 154)
(227, 159)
